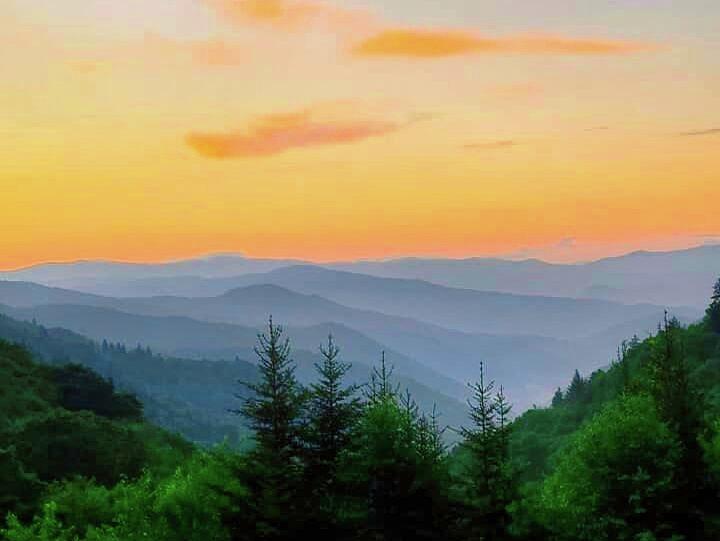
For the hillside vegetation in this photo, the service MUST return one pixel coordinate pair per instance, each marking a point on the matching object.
(630, 453)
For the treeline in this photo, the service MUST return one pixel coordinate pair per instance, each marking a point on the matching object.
(630, 453)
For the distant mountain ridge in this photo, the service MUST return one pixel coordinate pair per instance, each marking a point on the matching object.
(436, 356)
(674, 278)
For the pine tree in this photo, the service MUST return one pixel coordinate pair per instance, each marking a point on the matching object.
(274, 412)
(622, 363)
(578, 389)
(713, 311)
(679, 405)
(558, 398)
(488, 483)
(502, 411)
(380, 387)
(275, 404)
(333, 413)
(333, 408)
(431, 446)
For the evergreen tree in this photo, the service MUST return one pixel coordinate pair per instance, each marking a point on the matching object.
(578, 389)
(398, 467)
(333, 409)
(380, 387)
(679, 404)
(333, 412)
(502, 411)
(274, 412)
(713, 311)
(487, 480)
(558, 398)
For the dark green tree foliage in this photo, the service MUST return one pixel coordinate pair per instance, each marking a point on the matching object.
(274, 411)
(82, 389)
(398, 469)
(678, 404)
(274, 408)
(19, 489)
(62, 444)
(713, 311)
(622, 361)
(380, 388)
(333, 413)
(578, 390)
(557, 398)
(615, 480)
(488, 480)
(42, 441)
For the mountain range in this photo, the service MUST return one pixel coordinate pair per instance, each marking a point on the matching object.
(673, 278)
(531, 322)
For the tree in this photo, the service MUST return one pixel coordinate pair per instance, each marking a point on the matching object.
(399, 471)
(616, 478)
(713, 311)
(380, 387)
(488, 483)
(578, 389)
(333, 412)
(679, 404)
(274, 411)
(558, 398)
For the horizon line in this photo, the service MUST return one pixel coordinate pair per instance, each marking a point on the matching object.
(293, 260)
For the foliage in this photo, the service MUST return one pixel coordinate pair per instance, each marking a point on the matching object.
(616, 478)
(630, 452)
(713, 311)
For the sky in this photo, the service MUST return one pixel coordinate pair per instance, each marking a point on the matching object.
(148, 130)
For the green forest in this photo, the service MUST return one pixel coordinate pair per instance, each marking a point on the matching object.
(631, 452)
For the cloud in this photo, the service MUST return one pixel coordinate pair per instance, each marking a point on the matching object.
(506, 143)
(288, 14)
(414, 43)
(598, 128)
(275, 134)
(710, 131)
(373, 37)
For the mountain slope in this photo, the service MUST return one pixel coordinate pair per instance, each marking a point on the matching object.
(186, 337)
(666, 278)
(530, 366)
(193, 396)
(453, 308)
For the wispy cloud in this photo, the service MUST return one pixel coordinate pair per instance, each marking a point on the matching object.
(275, 134)
(373, 37)
(695, 133)
(490, 145)
(414, 43)
(289, 14)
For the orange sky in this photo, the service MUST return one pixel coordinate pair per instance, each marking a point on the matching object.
(325, 130)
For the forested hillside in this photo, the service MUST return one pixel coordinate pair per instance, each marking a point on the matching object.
(186, 396)
(629, 453)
